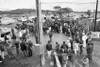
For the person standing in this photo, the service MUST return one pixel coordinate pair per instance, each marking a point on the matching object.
(20, 34)
(17, 46)
(50, 35)
(57, 48)
(71, 58)
(30, 44)
(64, 47)
(81, 47)
(49, 48)
(13, 36)
(69, 44)
(71, 41)
(90, 46)
(84, 38)
(23, 47)
(76, 47)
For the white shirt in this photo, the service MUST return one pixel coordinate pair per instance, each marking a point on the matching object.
(76, 46)
(84, 37)
(20, 34)
(69, 45)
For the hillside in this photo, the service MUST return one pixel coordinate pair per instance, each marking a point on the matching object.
(29, 12)
(18, 11)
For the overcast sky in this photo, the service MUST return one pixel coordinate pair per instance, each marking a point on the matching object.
(48, 4)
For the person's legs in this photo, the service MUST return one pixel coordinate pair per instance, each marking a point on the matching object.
(73, 64)
(49, 54)
(3, 55)
(81, 51)
(25, 53)
(50, 38)
(90, 57)
(17, 50)
(30, 52)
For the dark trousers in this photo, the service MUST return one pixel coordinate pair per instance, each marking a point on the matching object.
(17, 50)
(30, 52)
(89, 56)
(81, 51)
(50, 38)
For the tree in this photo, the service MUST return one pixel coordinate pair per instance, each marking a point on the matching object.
(58, 11)
(57, 8)
(62, 11)
(67, 10)
(89, 13)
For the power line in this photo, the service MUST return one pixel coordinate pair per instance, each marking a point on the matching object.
(69, 2)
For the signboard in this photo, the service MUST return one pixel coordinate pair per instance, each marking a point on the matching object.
(95, 35)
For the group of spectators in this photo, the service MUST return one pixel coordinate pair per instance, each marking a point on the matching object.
(20, 43)
(79, 43)
(69, 50)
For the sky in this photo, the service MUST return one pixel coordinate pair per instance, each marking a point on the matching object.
(48, 4)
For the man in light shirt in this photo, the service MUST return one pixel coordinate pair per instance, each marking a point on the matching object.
(69, 44)
(84, 38)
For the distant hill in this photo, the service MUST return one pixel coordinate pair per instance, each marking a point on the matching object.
(22, 11)
(18, 11)
(28, 12)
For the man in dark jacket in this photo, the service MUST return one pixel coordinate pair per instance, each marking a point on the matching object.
(64, 47)
(23, 47)
(49, 48)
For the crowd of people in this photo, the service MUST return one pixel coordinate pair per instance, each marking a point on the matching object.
(71, 49)
(78, 42)
(17, 41)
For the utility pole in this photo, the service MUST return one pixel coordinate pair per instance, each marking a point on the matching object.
(40, 31)
(96, 15)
